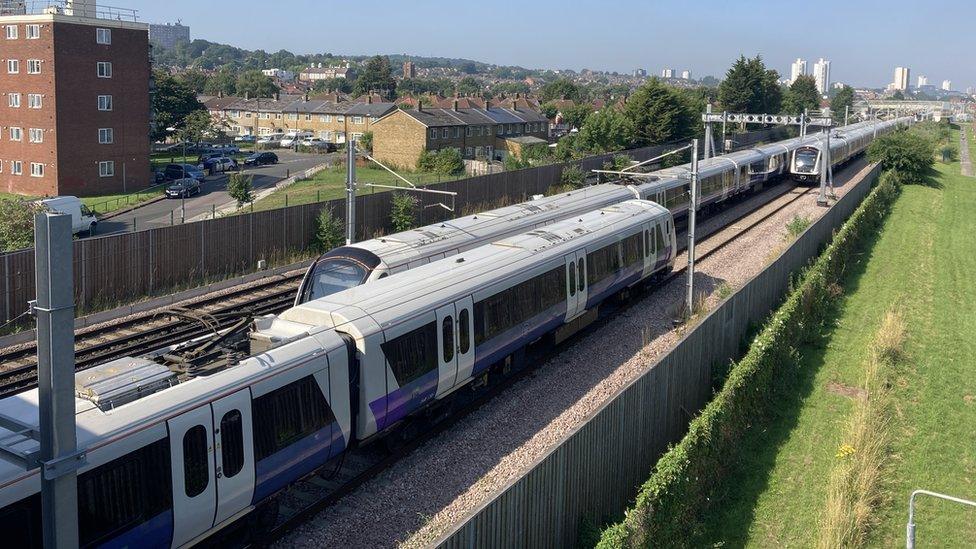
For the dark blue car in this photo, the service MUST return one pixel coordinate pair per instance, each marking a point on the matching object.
(179, 171)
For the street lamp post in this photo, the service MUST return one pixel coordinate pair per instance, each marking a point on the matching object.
(183, 168)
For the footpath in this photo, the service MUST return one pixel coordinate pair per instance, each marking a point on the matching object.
(965, 161)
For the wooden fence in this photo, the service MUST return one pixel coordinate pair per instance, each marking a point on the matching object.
(119, 268)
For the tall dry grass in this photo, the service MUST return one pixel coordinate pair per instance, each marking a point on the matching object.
(856, 486)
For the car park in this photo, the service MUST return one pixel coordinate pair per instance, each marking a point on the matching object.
(179, 171)
(183, 188)
(261, 159)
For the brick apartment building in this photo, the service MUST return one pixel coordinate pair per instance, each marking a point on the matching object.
(476, 132)
(74, 101)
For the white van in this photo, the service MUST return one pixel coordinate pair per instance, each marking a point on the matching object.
(292, 137)
(82, 219)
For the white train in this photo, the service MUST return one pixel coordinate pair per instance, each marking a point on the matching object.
(722, 177)
(174, 459)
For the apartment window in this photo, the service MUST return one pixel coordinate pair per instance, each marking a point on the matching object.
(37, 169)
(247, 115)
(433, 133)
(104, 69)
(293, 116)
(17, 167)
(469, 131)
(13, 100)
(508, 129)
(326, 118)
(34, 100)
(11, 32)
(308, 117)
(457, 132)
(469, 152)
(106, 136)
(340, 118)
(33, 32)
(35, 135)
(103, 36)
(16, 134)
(373, 119)
(13, 66)
(357, 120)
(500, 130)
(33, 66)
(104, 102)
(106, 169)
(446, 133)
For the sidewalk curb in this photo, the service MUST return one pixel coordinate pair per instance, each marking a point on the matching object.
(126, 210)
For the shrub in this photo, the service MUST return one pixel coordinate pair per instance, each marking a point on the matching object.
(907, 153)
(239, 187)
(683, 484)
(17, 224)
(573, 176)
(796, 226)
(444, 162)
(329, 231)
(403, 214)
(513, 163)
(948, 152)
(366, 141)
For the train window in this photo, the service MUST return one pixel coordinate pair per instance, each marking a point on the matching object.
(196, 468)
(509, 308)
(332, 276)
(632, 250)
(647, 244)
(412, 354)
(572, 279)
(231, 443)
(447, 338)
(464, 331)
(288, 414)
(659, 239)
(123, 493)
(581, 279)
(602, 263)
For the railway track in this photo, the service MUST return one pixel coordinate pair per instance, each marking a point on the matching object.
(153, 331)
(317, 492)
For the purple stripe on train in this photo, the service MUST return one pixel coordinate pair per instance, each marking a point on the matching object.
(304, 456)
(396, 405)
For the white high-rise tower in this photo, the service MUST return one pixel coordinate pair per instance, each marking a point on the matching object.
(797, 69)
(902, 76)
(821, 73)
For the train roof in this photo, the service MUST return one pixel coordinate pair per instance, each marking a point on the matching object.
(390, 299)
(406, 246)
(148, 394)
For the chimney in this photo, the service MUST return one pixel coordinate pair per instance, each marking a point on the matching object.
(514, 104)
(336, 98)
(277, 96)
(306, 97)
(455, 106)
(487, 104)
(369, 99)
(247, 95)
(420, 105)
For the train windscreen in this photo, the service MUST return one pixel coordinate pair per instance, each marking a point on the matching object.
(806, 160)
(332, 276)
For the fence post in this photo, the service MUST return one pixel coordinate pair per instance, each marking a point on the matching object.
(152, 267)
(203, 277)
(6, 287)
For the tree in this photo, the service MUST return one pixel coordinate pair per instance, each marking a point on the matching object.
(842, 102)
(255, 84)
(468, 67)
(898, 95)
(366, 141)
(223, 82)
(195, 126)
(750, 87)
(17, 223)
(575, 115)
(801, 96)
(329, 232)
(403, 212)
(331, 85)
(605, 131)
(906, 153)
(172, 102)
(444, 162)
(549, 110)
(194, 79)
(239, 187)
(562, 88)
(468, 86)
(376, 76)
(659, 114)
(573, 176)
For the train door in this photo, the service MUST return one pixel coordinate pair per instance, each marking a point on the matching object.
(446, 349)
(234, 454)
(581, 287)
(192, 463)
(650, 253)
(465, 338)
(572, 297)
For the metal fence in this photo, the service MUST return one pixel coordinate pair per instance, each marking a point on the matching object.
(596, 471)
(118, 268)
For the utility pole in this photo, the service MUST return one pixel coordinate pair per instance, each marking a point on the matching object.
(709, 142)
(59, 458)
(350, 191)
(824, 168)
(692, 210)
(847, 112)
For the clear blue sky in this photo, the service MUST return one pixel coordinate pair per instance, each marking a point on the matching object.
(864, 39)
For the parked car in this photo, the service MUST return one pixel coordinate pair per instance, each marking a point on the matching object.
(219, 164)
(226, 150)
(291, 138)
(82, 219)
(199, 148)
(261, 158)
(318, 143)
(182, 188)
(207, 156)
(245, 139)
(271, 139)
(179, 171)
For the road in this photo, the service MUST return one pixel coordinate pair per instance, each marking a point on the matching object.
(213, 193)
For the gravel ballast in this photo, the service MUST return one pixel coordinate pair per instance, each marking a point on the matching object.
(435, 487)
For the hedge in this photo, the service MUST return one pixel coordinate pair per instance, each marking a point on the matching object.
(669, 505)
